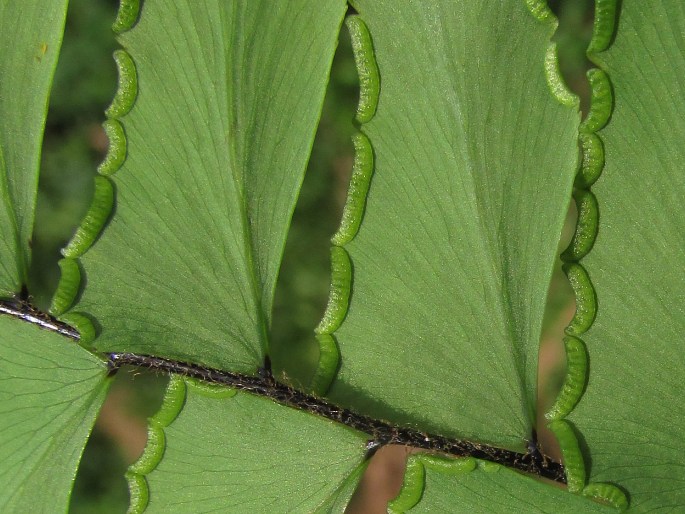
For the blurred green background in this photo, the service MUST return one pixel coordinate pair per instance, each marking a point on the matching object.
(75, 144)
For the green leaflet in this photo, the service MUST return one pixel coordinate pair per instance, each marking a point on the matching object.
(50, 393)
(30, 40)
(218, 101)
(441, 242)
(257, 456)
(174, 401)
(626, 416)
(467, 486)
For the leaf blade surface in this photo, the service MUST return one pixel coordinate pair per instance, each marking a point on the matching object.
(50, 393)
(30, 38)
(228, 99)
(631, 414)
(251, 455)
(492, 488)
(454, 255)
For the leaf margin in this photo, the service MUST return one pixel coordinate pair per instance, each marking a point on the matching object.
(587, 226)
(342, 269)
(102, 204)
